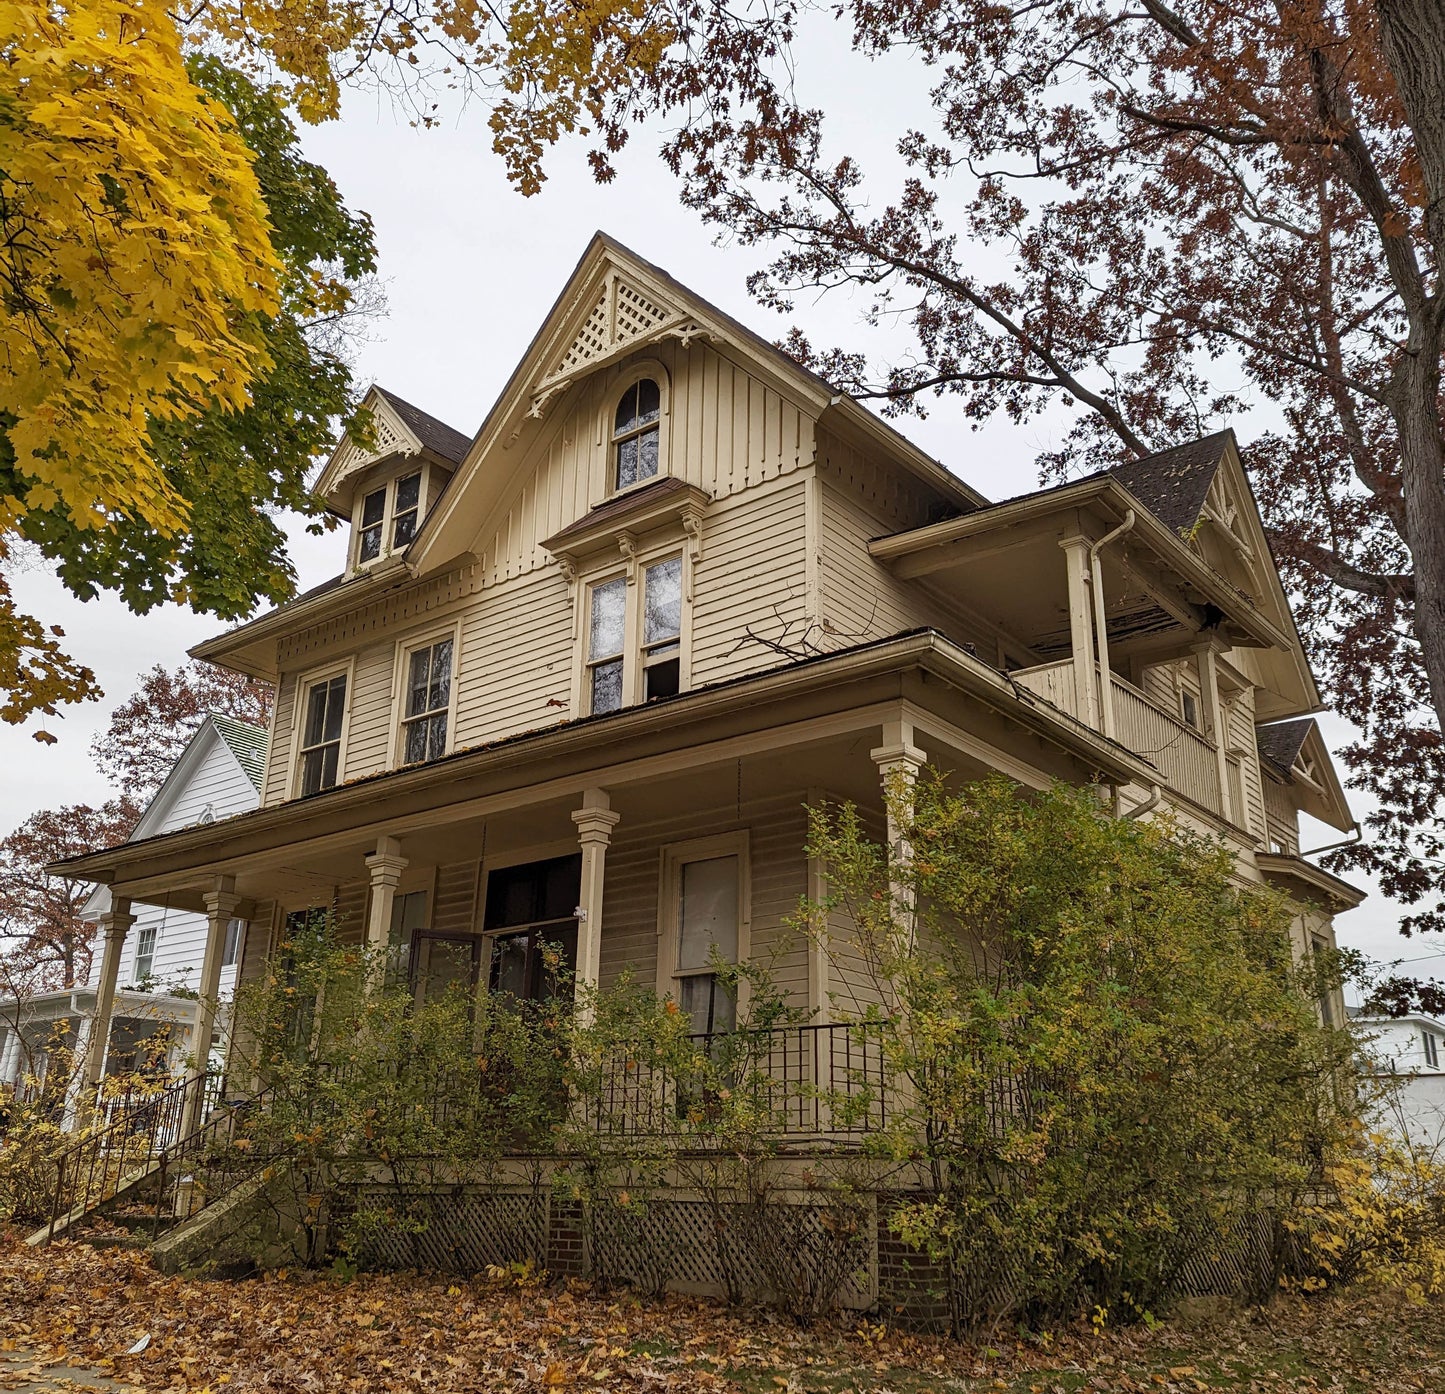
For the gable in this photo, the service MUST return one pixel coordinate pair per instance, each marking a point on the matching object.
(616, 306)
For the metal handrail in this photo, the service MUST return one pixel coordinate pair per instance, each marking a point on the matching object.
(140, 1126)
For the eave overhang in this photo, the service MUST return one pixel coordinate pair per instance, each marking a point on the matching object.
(1115, 500)
(250, 648)
(581, 746)
(1337, 893)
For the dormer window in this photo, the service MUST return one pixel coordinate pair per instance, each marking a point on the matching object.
(404, 515)
(373, 515)
(636, 435)
(389, 518)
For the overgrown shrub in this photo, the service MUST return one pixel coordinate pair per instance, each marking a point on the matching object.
(1102, 1051)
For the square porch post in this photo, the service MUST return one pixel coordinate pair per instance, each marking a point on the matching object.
(1078, 571)
(115, 925)
(595, 821)
(221, 902)
(899, 762)
(385, 866)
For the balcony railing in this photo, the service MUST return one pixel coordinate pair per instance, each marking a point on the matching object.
(1184, 758)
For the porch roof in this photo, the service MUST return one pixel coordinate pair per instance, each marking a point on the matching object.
(634, 744)
(1025, 521)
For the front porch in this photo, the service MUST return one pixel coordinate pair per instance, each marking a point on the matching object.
(637, 842)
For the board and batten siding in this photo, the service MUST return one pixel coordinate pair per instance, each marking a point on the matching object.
(726, 431)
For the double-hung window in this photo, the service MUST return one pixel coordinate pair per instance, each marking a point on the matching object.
(145, 952)
(232, 955)
(606, 645)
(653, 668)
(321, 735)
(704, 921)
(428, 702)
(392, 511)
(636, 437)
(1432, 1049)
(662, 629)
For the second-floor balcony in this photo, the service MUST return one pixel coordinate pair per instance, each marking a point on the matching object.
(1186, 759)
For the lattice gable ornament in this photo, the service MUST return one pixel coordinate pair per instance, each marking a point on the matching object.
(623, 317)
(391, 437)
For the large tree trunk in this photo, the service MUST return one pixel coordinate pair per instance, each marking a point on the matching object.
(1412, 36)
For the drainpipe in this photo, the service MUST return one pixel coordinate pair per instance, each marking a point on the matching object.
(1101, 635)
(1156, 792)
(1357, 833)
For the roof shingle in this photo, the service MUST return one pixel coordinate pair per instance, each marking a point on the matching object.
(435, 435)
(1174, 483)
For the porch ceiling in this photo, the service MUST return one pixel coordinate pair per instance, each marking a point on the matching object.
(1007, 558)
(805, 725)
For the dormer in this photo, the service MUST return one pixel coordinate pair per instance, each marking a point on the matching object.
(385, 489)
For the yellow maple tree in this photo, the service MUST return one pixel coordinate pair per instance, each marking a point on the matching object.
(134, 259)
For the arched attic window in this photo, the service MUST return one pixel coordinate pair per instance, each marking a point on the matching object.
(636, 435)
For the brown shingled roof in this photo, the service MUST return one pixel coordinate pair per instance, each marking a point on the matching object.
(435, 435)
(1173, 483)
(1279, 744)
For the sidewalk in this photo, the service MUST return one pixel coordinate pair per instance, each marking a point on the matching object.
(23, 1370)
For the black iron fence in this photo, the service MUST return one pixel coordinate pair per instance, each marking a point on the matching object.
(796, 1081)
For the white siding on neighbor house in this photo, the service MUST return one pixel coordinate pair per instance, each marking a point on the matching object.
(216, 783)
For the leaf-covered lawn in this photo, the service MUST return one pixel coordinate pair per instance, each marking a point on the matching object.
(81, 1308)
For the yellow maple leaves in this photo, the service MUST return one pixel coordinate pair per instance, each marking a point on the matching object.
(134, 255)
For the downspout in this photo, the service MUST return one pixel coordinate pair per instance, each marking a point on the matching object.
(1156, 793)
(1349, 841)
(1101, 631)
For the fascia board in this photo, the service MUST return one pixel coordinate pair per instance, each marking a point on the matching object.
(581, 738)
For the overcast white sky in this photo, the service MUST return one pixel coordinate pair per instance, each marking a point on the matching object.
(470, 269)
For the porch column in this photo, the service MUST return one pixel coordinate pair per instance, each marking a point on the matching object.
(385, 865)
(1081, 630)
(10, 1058)
(114, 926)
(77, 1090)
(899, 762)
(595, 821)
(221, 902)
(1205, 655)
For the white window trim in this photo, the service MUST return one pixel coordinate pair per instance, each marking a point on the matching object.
(407, 645)
(628, 376)
(633, 566)
(304, 683)
(672, 859)
(412, 465)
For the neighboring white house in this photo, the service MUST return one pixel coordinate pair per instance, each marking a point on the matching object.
(1412, 1049)
(218, 776)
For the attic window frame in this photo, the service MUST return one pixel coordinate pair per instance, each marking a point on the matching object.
(410, 466)
(608, 437)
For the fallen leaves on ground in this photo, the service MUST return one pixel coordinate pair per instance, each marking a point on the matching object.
(110, 1310)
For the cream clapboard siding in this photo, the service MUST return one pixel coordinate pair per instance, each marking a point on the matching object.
(278, 754)
(1244, 750)
(728, 433)
(455, 911)
(750, 586)
(725, 431)
(1283, 817)
(515, 658)
(778, 868)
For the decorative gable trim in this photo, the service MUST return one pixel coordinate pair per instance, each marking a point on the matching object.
(391, 434)
(622, 318)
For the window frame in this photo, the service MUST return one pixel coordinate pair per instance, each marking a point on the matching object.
(389, 482)
(230, 959)
(154, 930)
(672, 858)
(407, 645)
(627, 377)
(539, 852)
(633, 568)
(304, 683)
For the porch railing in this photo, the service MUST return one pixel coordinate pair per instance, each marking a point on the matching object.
(1180, 753)
(799, 1081)
(129, 1135)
